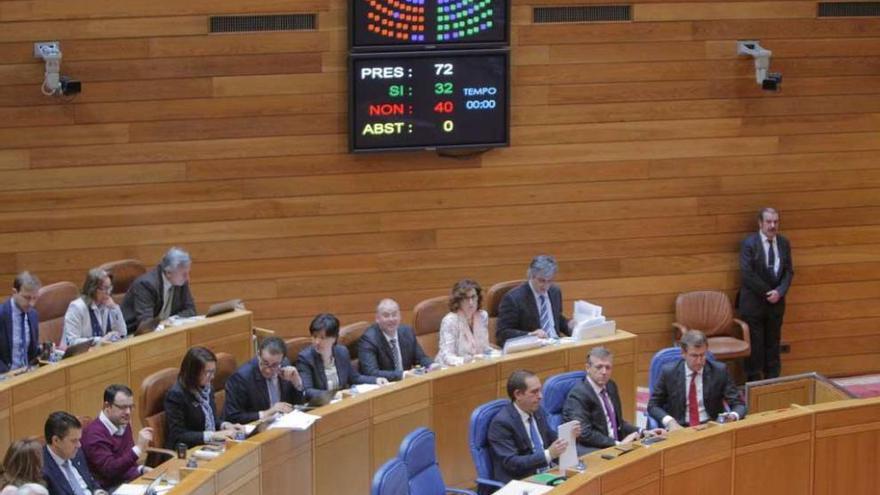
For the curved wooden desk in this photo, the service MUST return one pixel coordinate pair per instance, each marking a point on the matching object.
(355, 436)
(77, 384)
(823, 449)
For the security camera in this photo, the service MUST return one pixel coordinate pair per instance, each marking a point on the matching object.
(769, 81)
(54, 84)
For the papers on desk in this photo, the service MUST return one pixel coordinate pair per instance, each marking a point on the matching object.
(206, 455)
(176, 321)
(295, 420)
(249, 429)
(569, 457)
(132, 489)
(365, 387)
(517, 487)
(524, 343)
(589, 322)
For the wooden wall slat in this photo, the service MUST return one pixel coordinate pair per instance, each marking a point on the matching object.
(640, 152)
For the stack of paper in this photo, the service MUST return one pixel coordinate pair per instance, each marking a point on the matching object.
(295, 420)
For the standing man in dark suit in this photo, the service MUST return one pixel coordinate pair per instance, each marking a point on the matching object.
(692, 390)
(265, 385)
(595, 403)
(535, 307)
(389, 349)
(161, 293)
(19, 324)
(520, 440)
(64, 465)
(766, 268)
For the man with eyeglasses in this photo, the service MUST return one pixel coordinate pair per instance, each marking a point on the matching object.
(264, 386)
(110, 449)
(19, 324)
(535, 307)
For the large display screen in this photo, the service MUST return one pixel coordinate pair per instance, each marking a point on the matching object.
(419, 101)
(414, 24)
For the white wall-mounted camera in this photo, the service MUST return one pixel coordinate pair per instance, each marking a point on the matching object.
(769, 81)
(54, 84)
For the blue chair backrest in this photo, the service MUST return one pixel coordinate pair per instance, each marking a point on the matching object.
(663, 356)
(417, 451)
(556, 389)
(478, 434)
(391, 479)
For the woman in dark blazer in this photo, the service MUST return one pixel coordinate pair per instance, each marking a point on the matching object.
(191, 416)
(325, 365)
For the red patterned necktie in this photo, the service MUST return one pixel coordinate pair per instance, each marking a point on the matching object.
(693, 406)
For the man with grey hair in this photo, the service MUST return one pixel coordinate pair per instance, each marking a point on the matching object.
(160, 293)
(389, 349)
(595, 404)
(535, 307)
(693, 389)
(19, 324)
(766, 269)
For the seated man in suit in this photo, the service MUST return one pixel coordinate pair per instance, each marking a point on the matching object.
(265, 385)
(64, 466)
(108, 443)
(535, 307)
(19, 324)
(693, 390)
(521, 443)
(161, 293)
(389, 349)
(595, 403)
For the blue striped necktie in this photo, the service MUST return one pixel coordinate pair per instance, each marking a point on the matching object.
(547, 318)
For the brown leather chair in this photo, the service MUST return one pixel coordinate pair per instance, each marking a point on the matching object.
(350, 336)
(51, 306)
(427, 316)
(493, 301)
(295, 345)
(711, 313)
(123, 273)
(151, 410)
(226, 366)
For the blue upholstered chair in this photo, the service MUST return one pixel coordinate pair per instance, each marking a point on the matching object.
(556, 389)
(478, 434)
(391, 479)
(418, 453)
(662, 357)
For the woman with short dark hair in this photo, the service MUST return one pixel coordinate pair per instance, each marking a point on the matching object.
(326, 365)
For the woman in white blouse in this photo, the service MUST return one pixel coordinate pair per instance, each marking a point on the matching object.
(94, 315)
(464, 331)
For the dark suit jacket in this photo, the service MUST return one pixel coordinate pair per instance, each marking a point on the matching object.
(56, 481)
(247, 393)
(184, 418)
(670, 397)
(583, 405)
(377, 358)
(511, 446)
(758, 279)
(311, 369)
(6, 335)
(518, 313)
(145, 297)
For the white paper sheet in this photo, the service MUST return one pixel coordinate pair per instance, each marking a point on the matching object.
(295, 420)
(517, 487)
(569, 457)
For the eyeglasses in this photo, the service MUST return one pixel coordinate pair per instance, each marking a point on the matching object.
(272, 366)
(107, 289)
(210, 371)
(124, 407)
